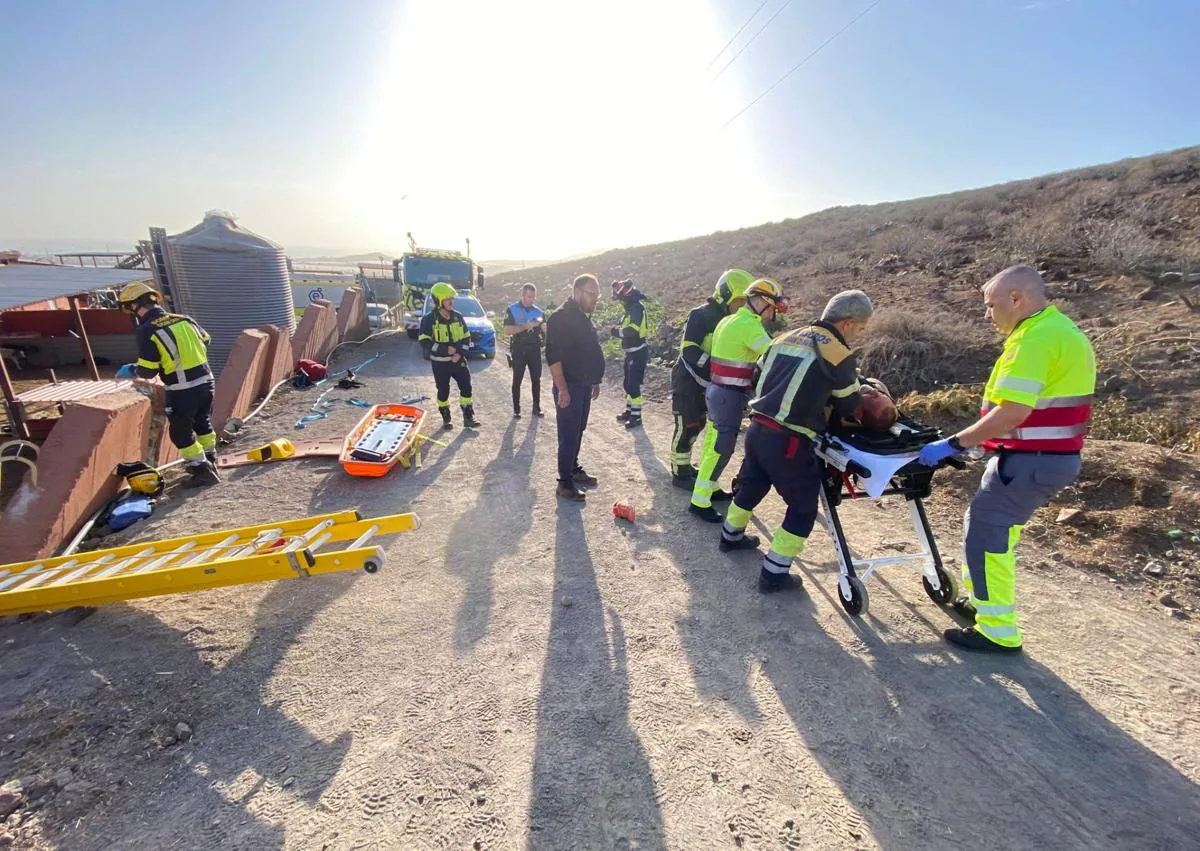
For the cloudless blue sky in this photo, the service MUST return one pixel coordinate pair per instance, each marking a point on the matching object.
(127, 113)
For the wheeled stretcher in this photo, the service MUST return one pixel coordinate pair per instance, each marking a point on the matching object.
(856, 454)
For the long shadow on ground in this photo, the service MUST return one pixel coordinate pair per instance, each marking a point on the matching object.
(592, 785)
(115, 684)
(492, 528)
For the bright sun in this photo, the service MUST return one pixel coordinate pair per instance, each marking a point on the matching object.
(529, 125)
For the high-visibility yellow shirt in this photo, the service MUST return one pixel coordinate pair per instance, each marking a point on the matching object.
(737, 344)
(1047, 364)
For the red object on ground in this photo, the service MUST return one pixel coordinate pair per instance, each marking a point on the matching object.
(315, 371)
(624, 512)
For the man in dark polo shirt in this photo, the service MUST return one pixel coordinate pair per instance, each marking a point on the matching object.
(577, 368)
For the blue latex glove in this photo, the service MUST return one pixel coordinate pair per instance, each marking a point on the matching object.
(935, 453)
(127, 371)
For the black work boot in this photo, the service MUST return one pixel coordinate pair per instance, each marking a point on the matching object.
(721, 496)
(202, 474)
(469, 417)
(633, 421)
(624, 416)
(537, 410)
(706, 513)
(684, 478)
(571, 491)
(516, 413)
(745, 542)
(972, 639)
(446, 423)
(583, 479)
(770, 583)
(211, 455)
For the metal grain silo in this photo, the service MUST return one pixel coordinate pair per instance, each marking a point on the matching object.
(228, 279)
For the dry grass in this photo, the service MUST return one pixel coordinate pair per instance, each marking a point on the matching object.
(1112, 418)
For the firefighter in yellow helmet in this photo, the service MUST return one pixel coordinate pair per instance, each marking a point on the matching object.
(175, 348)
(737, 343)
(692, 373)
(445, 339)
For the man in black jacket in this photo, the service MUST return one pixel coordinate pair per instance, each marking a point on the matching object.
(577, 368)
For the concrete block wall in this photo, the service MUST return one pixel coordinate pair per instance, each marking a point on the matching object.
(237, 387)
(352, 316)
(75, 473)
(279, 363)
(317, 333)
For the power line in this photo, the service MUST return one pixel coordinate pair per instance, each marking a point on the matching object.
(751, 41)
(802, 62)
(736, 34)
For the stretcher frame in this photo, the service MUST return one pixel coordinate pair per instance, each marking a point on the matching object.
(262, 553)
(914, 482)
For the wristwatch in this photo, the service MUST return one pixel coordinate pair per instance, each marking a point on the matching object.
(955, 444)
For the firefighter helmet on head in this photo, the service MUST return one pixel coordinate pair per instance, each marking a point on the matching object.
(620, 289)
(732, 285)
(442, 291)
(769, 290)
(136, 295)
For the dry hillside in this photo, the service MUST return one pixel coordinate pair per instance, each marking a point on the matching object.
(1120, 246)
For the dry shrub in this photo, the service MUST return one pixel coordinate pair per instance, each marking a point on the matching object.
(910, 351)
(829, 264)
(1113, 420)
(1117, 246)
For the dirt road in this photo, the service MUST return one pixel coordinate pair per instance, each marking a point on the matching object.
(529, 674)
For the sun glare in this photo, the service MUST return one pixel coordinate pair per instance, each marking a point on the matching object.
(541, 129)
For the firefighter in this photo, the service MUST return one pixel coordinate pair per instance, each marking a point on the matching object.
(632, 333)
(690, 376)
(445, 338)
(1036, 408)
(175, 348)
(737, 344)
(806, 373)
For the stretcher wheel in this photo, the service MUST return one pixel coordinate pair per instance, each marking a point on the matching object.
(947, 593)
(858, 601)
(371, 566)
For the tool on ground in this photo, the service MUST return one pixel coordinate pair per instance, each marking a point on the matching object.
(329, 448)
(349, 381)
(141, 477)
(624, 511)
(278, 448)
(320, 408)
(387, 435)
(270, 551)
(837, 449)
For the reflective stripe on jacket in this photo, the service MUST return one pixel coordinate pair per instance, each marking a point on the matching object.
(737, 344)
(175, 346)
(1047, 364)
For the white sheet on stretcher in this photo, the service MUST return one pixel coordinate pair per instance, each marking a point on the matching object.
(882, 468)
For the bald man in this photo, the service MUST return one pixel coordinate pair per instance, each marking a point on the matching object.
(1036, 408)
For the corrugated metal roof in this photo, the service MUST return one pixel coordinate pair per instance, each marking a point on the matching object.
(22, 284)
(66, 391)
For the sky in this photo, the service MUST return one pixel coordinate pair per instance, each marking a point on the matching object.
(547, 128)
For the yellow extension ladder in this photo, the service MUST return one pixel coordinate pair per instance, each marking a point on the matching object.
(271, 551)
